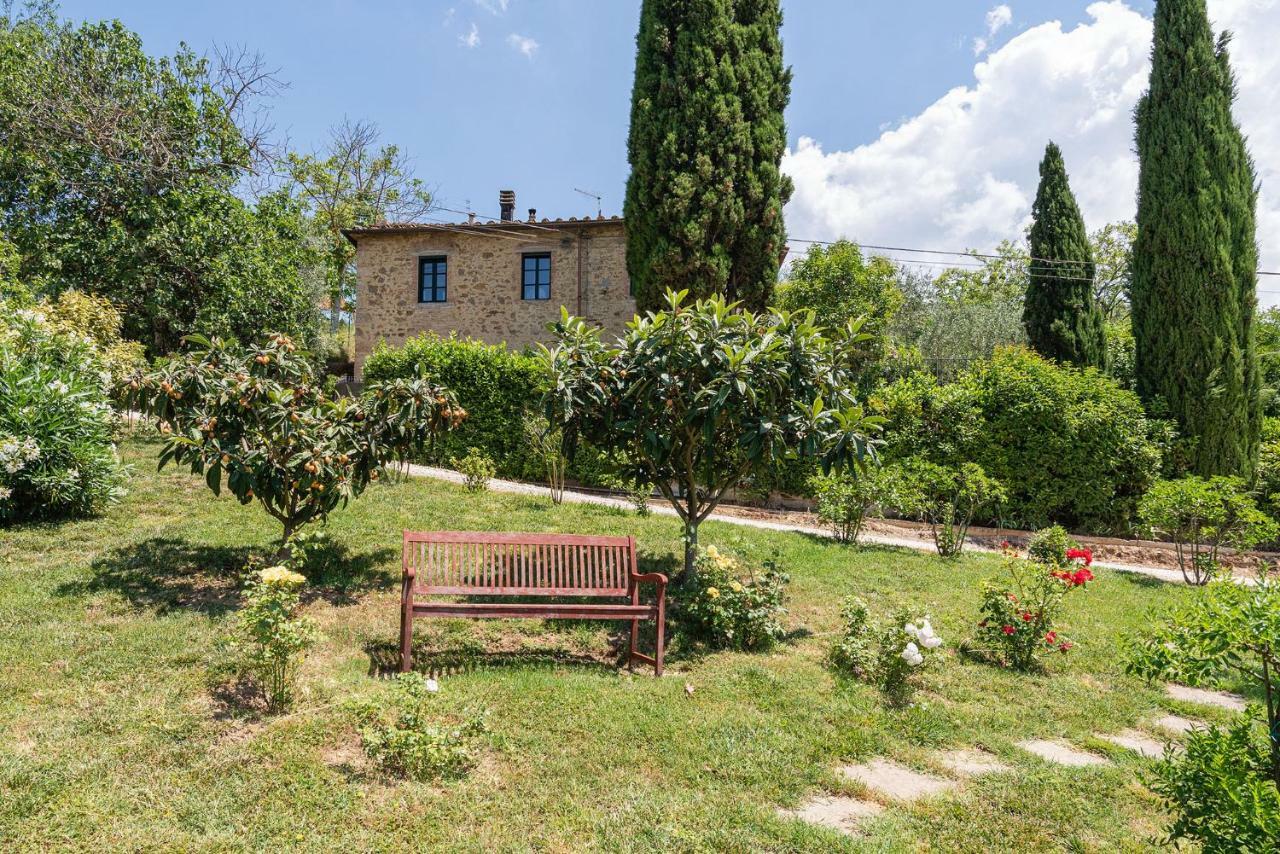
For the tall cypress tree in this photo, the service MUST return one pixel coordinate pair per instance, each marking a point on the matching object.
(705, 195)
(1195, 257)
(1062, 320)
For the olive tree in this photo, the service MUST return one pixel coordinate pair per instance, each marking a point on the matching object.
(697, 397)
(259, 420)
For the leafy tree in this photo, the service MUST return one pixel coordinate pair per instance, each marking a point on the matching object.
(257, 420)
(1059, 313)
(841, 286)
(118, 174)
(1268, 336)
(699, 396)
(351, 184)
(1112, 247)
(1196, 252)
(705, 195)
(1201, 516)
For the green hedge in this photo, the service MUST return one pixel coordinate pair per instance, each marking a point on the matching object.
(495, 385)
(1069, 446)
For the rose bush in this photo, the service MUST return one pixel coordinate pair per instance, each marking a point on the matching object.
(1019, 617)
(730, 607)
(888, 655)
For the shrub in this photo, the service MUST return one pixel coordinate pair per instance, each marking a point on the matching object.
(56, 425)
(846, 500)
(946, 498)
(496, 385)
(476, 469)
(1069, 445)
(729, 609)
(1218, 789)
(1268, 487)
(547, 443)
(1225, 786)
(888, 656)
(1201, 516)
(1019, 617)
(273, 635)
(257, 418)
(98, 320)
(403, 738)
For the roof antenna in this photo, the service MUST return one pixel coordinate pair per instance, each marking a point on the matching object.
(599, 200)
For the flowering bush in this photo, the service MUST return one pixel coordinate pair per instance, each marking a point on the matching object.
(404, 739)
(272, 635)
(888, 656)
(730, 609)
(56, 425)
(1019, 617)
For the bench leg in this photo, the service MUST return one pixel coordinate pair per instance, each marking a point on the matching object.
(635, 637)
(662, 636)
(406, 639)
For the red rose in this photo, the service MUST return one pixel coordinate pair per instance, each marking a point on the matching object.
(1051, 638)
(1008, 630)
(1085, 555)
(1027, 616)
(1082, 576)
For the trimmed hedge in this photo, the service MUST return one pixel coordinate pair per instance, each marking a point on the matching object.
(495, 385)
(1069, 445)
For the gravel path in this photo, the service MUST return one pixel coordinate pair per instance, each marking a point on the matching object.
(573, 497)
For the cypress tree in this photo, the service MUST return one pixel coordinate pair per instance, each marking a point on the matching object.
(705, 195)
(1062, 320)
(1195, 257)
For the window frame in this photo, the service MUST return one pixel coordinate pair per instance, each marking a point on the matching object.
(537, 286)
(439, 290)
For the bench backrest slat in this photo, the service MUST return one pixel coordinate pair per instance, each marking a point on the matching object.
(480, 563)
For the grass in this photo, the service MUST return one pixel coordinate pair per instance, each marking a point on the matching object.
(117, 735)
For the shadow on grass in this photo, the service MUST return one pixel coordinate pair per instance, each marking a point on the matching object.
(168, 574)
(384, 659)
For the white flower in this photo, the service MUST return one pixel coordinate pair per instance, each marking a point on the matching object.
(926, 636)
(58, 386)
(433, 686)
(931, 642)
(911, 655)
(910, 629)
(5, 492)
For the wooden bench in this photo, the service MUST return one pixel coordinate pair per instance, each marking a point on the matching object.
(475, 563)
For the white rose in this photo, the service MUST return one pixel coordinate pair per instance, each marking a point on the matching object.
(433, 686)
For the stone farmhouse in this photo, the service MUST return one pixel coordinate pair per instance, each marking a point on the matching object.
(499, 281)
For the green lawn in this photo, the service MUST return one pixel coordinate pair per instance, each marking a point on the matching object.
(114, 735)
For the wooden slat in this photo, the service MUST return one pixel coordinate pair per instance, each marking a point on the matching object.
(505, 537)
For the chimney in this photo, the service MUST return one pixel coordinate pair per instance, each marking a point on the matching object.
(533, 214)
(507, 201)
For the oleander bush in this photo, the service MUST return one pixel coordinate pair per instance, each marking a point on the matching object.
(57, 457)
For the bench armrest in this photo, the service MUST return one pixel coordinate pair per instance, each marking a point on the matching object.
(651, 578)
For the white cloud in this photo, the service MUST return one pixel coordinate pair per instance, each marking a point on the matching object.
(471, 38)
(524, 44)
(496, 7)
(997, 19)
(962, 173)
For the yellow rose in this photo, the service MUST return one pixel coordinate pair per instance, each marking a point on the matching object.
(713, 552)
(737, 588)
(712, 592)
(281, 576)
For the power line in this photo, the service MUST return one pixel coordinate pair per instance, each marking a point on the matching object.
(986, 255)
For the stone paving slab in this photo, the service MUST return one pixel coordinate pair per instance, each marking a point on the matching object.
(1176, 724)
(1138, 742)
(972, 763)
(891, 780)
(1221, 699)
(1062, 754)
(838, 813)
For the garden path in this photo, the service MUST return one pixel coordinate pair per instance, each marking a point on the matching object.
(575, 497)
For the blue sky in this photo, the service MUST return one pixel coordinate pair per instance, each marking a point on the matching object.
(905, 128)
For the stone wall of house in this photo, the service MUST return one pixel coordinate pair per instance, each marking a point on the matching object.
(484, 285)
